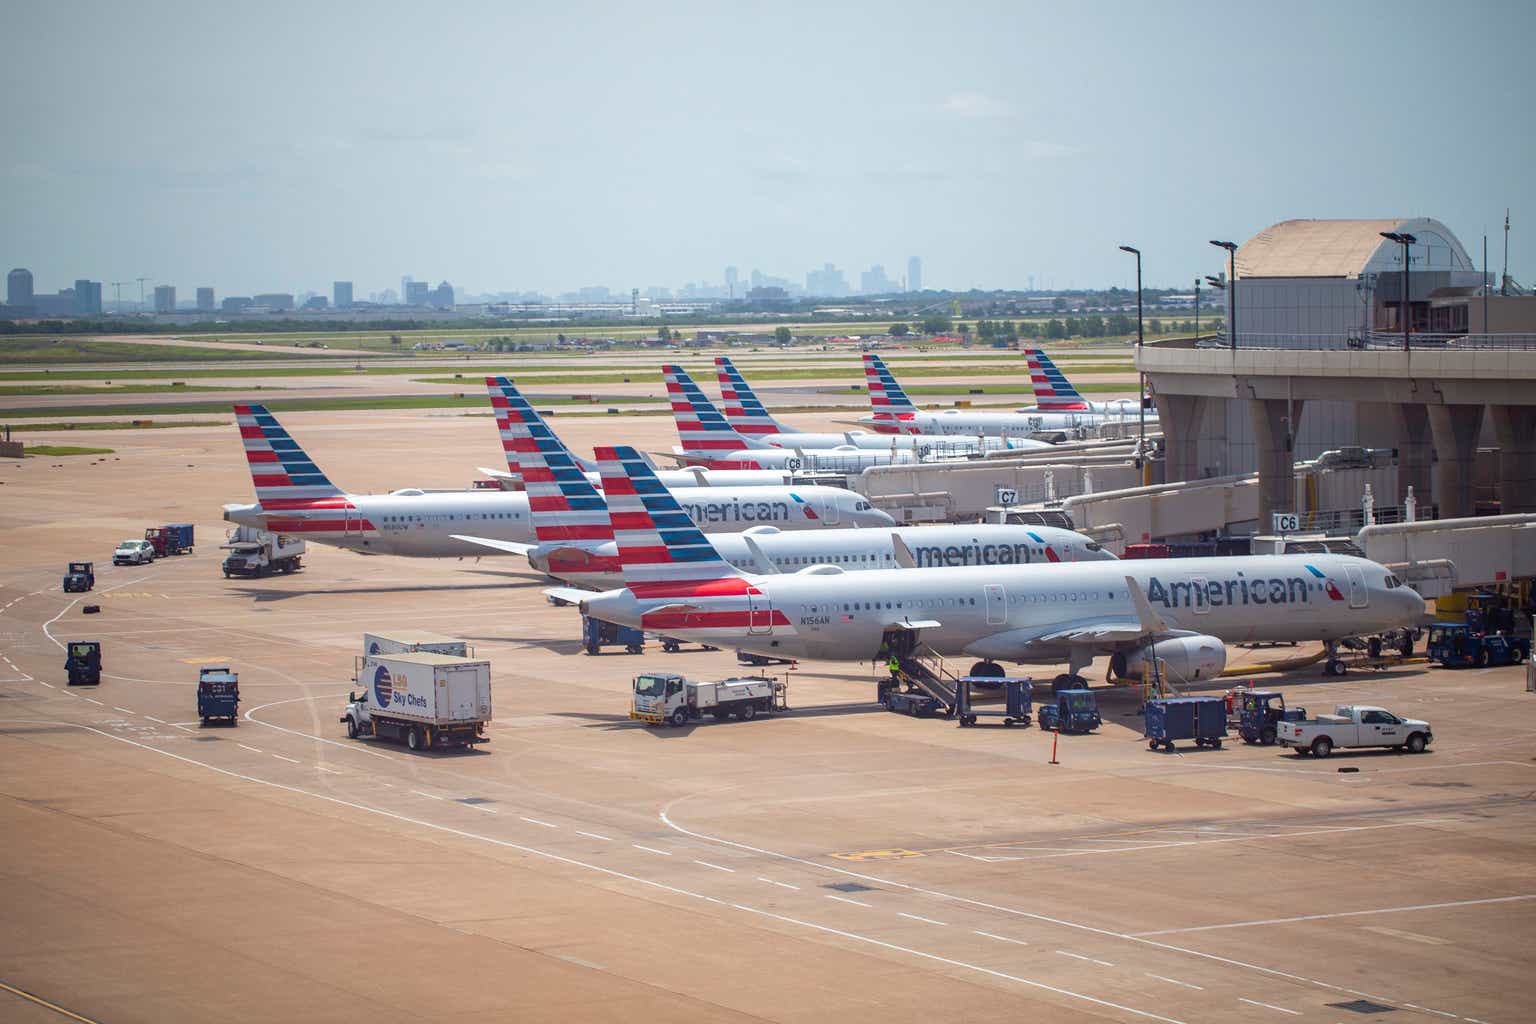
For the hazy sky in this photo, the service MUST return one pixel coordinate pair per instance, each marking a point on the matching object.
(277, 146)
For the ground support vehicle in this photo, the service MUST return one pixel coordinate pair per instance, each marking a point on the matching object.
(218, 694)
(80, 578)
(672, 645)
(666, 698)
(82, 660)
(423, 699)
(415, 641)
(597, 634)
(918, 705)
(1458, 645)
(171, 539)
(1202, 719)
(134, 552)
(1073, 711)
(1260, 711)
(1357, 725)
(1018, 700)
(254, 552)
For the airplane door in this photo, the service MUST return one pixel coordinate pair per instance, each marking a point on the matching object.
(759, 613)
(997, 604)
(832, 511)
(1199, 597)
(1359, 594)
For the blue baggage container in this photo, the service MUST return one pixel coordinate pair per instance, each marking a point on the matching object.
(1202, 719)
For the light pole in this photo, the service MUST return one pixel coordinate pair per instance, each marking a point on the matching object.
(1404, 310)
(1141, 377)
(1215, 282)
(1197, 311)
(1231, 248)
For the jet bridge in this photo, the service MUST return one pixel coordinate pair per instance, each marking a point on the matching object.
(1437, 556)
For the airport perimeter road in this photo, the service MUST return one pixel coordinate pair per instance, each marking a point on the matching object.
(835, 864)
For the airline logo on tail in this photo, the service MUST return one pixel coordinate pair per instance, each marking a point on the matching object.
(1052, 389)
(743, 409)
(889, 401)
(699, 424)
(563, 504)
(287, 480)
(664, 555)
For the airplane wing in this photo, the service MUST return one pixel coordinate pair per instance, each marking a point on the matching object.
(1105, 634)
(511, 547)
(567, 595)
(499, 474)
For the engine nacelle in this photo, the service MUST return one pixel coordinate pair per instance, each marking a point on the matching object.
(1185, 659)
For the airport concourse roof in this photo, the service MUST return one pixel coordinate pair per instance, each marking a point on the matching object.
(1344, 248)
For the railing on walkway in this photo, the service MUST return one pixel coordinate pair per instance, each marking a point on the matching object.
(1373, 340)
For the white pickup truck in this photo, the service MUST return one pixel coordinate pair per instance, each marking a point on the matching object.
(1354, 725)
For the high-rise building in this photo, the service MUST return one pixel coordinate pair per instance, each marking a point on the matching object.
(405, 288)
(828, 281)
(415, 292)
(18, 287)
(274, 300)
(914, 274)
(442, 296)
(165, 298)
(88, 297)
(205, 300)
(874, 282)
(732, 276)
(341, 294)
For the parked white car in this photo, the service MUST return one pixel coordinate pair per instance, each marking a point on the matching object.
(1354, 725)
(134, 552)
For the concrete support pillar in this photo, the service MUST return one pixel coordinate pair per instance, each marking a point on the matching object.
(1181, 418)
(1274, 433)
(1415, 449)
(1455, 429)
(1515, 426)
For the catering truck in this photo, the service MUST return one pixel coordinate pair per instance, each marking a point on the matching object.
(254, 552)
(415, 641)
(666, 698)
(422, 698)
(1354, 725)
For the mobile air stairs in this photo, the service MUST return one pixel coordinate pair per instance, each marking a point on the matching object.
(920, 685)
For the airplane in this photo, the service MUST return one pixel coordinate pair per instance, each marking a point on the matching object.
(708, 437)
(895, 413)
(1180, 612)
(576, 541)
(1054, 393)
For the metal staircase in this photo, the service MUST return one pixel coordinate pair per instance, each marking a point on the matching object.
(925, 670)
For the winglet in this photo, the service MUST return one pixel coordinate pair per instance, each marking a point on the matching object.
(760, 560)
(1151, 621)
(904, 557)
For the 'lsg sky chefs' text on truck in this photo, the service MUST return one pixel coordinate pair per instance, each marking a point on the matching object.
(424, 699)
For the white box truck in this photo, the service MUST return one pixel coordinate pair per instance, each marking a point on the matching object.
(422, 698)
(407, 641)
(254, 552)
(666, 698)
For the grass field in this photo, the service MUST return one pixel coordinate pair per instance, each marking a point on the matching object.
(469, 400)
(36, 390)
(88, 350)
(66, 449)
(35, 427)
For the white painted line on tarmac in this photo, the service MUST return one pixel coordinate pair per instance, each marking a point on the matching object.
(126, 711)
(1272, 1006)
(93, 700)
(845, 899)
(717, 867)
(650, 849)
(328, 770)
(594, 835)
(1437, 1013)
(290, 760)
(925, 920)
(242, 746)
(152, 718)
(1343, 913)
(482, 807)
(612, 873)
(1089, 959)
(1175, 981)
(781, 885)
(1000, 938)
(429, 796)
(536, 821)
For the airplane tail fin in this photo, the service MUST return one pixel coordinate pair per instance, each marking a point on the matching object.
(699, 424)
(284, 476)
(743, 409)
(889, 401)
(659, 546)
(563, 504)
(1052, 389)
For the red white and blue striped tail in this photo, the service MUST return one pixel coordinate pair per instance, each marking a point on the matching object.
(660, 548)
(700, 426)
(888, 400)
(295, 496)
(1052, 389)
(563, 504)
(743, 409)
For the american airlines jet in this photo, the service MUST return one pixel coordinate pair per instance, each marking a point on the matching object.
(1054, 393)
(576, 541)
(895, 413)
(1184, 610)
(707, 436)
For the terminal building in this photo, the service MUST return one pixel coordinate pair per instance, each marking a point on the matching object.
(1335, 342)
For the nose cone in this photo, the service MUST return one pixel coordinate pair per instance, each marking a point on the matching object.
(875, 517)
(1414, 609)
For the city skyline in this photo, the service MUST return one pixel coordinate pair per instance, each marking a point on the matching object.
(1054, 137)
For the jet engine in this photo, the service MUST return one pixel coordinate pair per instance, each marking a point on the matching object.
(1184, 659)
